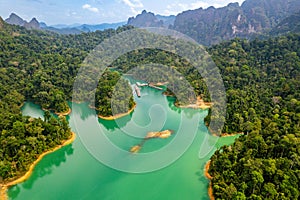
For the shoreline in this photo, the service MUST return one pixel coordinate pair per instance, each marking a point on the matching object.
(199, 104)
(117, 116)
(230, 134)
(59, 114)
(207, 165)
(203, 106)
(64, 113)
(5, 186)
(225, 134)
(209, 177)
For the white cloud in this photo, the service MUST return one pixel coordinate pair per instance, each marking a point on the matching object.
(90, 8)
(134, 5)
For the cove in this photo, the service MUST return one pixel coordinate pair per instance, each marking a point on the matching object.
(73, 173)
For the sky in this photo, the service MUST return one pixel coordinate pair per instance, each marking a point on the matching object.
(98, 11)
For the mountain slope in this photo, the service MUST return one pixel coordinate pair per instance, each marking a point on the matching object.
(99, 27)
(254, 17)
(41, 67)
(263, 102)
(1, 23)
(64, 31)
(15, 20)
(33, 24)
(145, 19)
(149, 19)
(289, 24)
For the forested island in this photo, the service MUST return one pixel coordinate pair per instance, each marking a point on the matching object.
(261, 77)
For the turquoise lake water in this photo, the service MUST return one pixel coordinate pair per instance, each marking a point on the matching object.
(73, 173)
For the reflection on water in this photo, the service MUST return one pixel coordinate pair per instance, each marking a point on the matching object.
(116, 124)
(14, 191)
(82, 111)
(72, 173)
(46, 167)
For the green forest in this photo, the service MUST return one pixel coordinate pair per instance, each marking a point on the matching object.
(261, 77)
(41, 67)
(262, 81)
(263, 94)
(23, 139)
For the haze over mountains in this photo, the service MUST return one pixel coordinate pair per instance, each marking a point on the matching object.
(207, 26)
(62, 29)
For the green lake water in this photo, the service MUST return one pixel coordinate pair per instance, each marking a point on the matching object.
(72, 173)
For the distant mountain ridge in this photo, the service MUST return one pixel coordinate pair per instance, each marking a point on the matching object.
(33, 24)
(101, 27)
(252, 18)
(14, 19)
(149, 19)
(213, 25)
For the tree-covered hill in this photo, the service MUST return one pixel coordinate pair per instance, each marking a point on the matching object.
(262, 81)
(263, 93)
(23, 139)
(261, 77)
(41, 67)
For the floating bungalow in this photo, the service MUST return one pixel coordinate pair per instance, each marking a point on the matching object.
(137, 91)
(141, 84)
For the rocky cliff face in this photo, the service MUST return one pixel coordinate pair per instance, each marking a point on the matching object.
(167, 20)
(1, 23)
(254, 17)
(269, 12)
(211, 25)
(289, 24)
(33, 24)
(145, 19)
(16, 20)
(148, 19)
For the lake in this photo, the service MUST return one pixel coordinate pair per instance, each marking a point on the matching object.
(73, 173)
